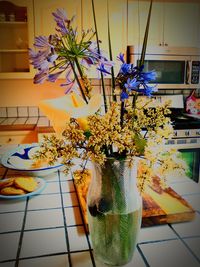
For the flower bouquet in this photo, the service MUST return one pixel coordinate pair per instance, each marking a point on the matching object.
(113, 136)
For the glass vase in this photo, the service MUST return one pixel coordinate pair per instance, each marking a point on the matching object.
(114, 211)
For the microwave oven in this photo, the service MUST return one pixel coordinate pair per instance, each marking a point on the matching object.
(176, 68)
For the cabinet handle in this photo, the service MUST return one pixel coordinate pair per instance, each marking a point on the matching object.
(166, 44)
(9, 140)
(160, 44)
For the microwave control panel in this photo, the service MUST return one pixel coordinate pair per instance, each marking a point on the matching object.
(195, 72)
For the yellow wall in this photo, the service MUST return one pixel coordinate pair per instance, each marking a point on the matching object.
(22, 92)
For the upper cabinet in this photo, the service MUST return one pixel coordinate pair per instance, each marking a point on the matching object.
(44, 21)
(173, 23)
(116, 10)
(17, 32)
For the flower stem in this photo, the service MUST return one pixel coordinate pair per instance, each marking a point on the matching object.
(80, 72)
(77, 79)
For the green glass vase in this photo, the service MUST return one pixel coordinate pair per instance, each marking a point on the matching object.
(114, 211)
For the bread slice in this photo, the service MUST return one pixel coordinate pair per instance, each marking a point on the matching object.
(6, 182)
(28, 184)
(12, 191)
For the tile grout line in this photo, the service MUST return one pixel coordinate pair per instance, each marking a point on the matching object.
(65, 223)
(86, 234)
(184, 243)
(21, 234)
(142, 255)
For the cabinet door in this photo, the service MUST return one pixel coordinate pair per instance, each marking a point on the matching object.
(16, 27)
(118, 22)
(44, 21)
(137, 19)
(182, 24)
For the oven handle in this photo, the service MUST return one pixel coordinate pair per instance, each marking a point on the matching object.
(188, 68)
(184, 146)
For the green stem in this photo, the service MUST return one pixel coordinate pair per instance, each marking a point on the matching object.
(80, 71)
(77, 79)
(97, 39)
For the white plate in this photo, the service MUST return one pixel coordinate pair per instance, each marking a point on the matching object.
(41, 186)
(20, 159)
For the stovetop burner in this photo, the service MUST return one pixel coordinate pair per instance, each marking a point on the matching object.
(181, 120)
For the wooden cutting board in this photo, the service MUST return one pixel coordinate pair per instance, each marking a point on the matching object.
(158, 208)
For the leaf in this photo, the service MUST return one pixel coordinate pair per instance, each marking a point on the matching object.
(140, 143)
(144, 46)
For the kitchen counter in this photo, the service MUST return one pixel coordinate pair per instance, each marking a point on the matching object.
(47, 230)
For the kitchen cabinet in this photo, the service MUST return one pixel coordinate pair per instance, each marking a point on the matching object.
(173, 23)
(44, 21)
(18, 137)
(17, 32)
(118, 25)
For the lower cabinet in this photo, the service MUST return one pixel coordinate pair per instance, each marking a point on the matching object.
(18, 137)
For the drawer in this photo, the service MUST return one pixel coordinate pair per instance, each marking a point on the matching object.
(18, 137)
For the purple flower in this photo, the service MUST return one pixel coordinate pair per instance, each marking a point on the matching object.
(41, 76)
(60, 17)
(42, 42)
(54, 76)
(103, 70)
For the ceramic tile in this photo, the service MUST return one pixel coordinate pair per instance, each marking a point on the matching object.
(81, 259)
(8, 121)
(194, 201)
(12, 112)
(50, 261)
(169, 253)
(52, 187)
(67, 186)
(44, 219)
(9, 246)
(43, 121)
(31, 120)
(12, 205)
(194, 244)
(20, 121)
(77, 238)
(11, 221)
(63, 176)
(2, 119)
(53, 177)
(73, 216)
(23, 111)
(8, 264)
(44, 202)
(159, 232)
(188, 228)
(187, 188)
(43, 242)
(3, 112)
(136, 261)
(70, 199)
(33, 111)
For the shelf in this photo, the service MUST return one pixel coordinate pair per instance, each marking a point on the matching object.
(13, 22)
(13, 50)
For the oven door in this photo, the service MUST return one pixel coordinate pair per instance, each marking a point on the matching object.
(190, 153)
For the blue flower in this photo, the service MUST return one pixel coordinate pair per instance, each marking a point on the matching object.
(121, 57)
(42, 42)
(124, 96)
(147, 90)
(126, 68)
(148, 76)
(131, 84)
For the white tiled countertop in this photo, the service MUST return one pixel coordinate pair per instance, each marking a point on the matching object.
(47, 230)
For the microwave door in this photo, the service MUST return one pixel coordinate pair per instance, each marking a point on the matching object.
(172, 71)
